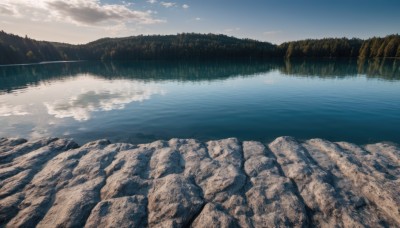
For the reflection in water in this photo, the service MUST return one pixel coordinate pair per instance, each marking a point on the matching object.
(388, 69)
(18, 77)
(103, 97)
(36, 110)
(385, 69)
(144, 101)
(9, 110)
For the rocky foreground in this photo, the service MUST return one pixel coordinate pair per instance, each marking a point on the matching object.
(183, 182)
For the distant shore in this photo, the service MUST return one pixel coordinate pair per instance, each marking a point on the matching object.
(193, 46)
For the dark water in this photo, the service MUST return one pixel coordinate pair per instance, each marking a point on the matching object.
(143, 101)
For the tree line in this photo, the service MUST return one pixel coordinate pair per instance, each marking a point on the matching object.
(16, 49)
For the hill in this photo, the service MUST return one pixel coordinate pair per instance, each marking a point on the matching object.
(15, 49)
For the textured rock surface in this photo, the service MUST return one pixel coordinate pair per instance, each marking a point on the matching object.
(183, 182)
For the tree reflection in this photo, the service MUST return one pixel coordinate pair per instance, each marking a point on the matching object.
(20, 76)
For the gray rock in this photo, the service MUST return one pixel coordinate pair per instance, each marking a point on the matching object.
(271, 192)
(128, 211)
(127, 174)
(173, 202)
(13, 148)
(165, 161)
(184, 182)
(7, 144)
(9, 207)
(212, 216)
(226, 150)
(382, 191)
(313, 182)
(73, 203)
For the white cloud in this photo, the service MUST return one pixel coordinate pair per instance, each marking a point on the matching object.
(185, 6)
(6, 9)
(80, 12)
(168, 4)
(38, 133)
(128, 3)
(197, 19)
(152, 1)
(8, 110)
(113, 97)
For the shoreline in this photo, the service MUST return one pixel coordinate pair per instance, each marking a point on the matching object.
(185, 182)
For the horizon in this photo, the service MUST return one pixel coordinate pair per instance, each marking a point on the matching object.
(176, 34)
(83, 21)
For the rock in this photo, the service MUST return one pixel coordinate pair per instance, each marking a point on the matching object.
(73, 203)
(13, 148)
(72, 206)
(128, 211)
(212, 216)
(127, 174)
(164, 162)
(226, 150)
(382, 191)
(41, 191)
(10, 143)
(9, 207)
(271, 192)
(173, 201)
(313, 182)
(52, 182)
(257, 163)
(15, 183)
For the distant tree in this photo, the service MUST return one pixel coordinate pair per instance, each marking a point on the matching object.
(15, 49)
(398, 52)
(30, 55)
(391, 47)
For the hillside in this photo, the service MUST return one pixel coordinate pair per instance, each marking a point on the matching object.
(15, 49)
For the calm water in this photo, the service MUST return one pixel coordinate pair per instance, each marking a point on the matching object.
(141, 102)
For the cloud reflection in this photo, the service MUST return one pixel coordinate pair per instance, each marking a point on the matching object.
(8, 110)
(80, 107)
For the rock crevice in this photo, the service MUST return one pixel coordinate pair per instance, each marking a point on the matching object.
(184, 182)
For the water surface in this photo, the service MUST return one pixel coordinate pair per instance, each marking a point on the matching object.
(143, 101)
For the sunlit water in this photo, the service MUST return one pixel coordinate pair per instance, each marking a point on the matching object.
(141, 102)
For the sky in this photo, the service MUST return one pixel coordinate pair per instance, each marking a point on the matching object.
(275, 21)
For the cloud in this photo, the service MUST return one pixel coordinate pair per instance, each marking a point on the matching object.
(89, 12)
(81, 12)
(152, 11)
(152, 1)
(6, 9)
(81, 106)
(39, 132)
(168, 4)
(8, 110)
(185, 6)
(197, 19)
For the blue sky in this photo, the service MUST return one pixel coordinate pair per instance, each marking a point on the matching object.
(276, 21)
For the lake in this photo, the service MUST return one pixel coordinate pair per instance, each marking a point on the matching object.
(138, 102)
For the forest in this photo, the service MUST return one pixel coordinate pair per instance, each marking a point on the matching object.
(191, 46)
